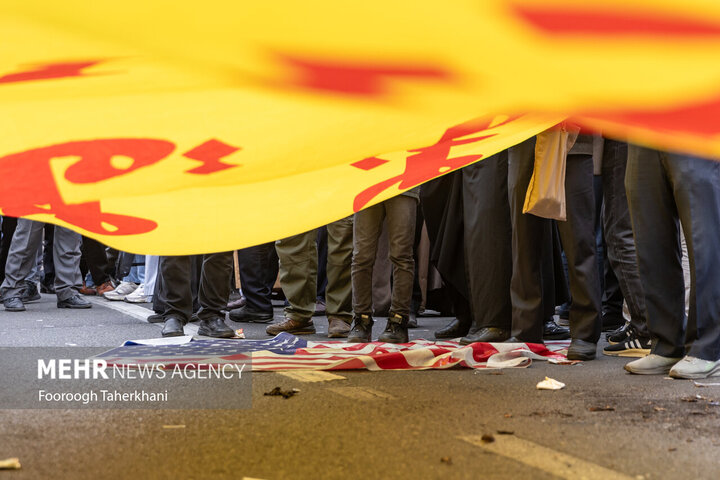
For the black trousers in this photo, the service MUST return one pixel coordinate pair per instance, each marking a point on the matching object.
(487, 241)
(213, 290)
(258, 267)
(95, 260)
(665, 190)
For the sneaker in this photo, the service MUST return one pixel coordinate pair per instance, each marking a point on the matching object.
(396, 330)
(651, 365)
(693, 367)
(122, 291)
(361, 331)
(633, 346)
(138, 296)
(290, 325)
(619, 335)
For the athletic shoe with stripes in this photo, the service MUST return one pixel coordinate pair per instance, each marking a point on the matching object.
(633, 346)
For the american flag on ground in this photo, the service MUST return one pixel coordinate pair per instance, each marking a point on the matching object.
(288, 352)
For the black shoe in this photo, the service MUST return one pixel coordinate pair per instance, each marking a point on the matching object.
(517, 340)
(454, 329)
(173, 327)
(619, 335)
(361, 330)
(47, 288)
(76, 301)
(553, 331)
(155, 318)
(581, 350)
(215, 327)
(244, 314)
(633, 346)
(30, 294)
(396, 330)
(485, 334)
(14, 304)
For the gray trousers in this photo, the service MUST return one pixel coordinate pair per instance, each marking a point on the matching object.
(665, 189)
(401, 214)
(22, 257)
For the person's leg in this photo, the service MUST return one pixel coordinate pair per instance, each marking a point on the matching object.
(657, 242)
(338, 294)
(696, 186)
(367, 225)
(401, 214)
(531, 236)
(66, 257)
(175, 296)
(580, 246)
(254, 264)
(21, 257)
(298, 278)
(213, 294)
(619, 241)
(488, 252)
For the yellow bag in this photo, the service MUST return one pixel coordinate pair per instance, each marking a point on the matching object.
(545, 195)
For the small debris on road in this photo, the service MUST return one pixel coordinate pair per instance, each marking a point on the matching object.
(487, 438)
(550, 384)
(446, 460)
(279, 392)
(505, 432)
(672, 449)
(508, 415)
(606, 408)
(173, 427)
(239, 333)
(659, 409)
(10, 464)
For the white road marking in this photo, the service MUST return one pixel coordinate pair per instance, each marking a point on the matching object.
(546, 459)
(312, 376)
(361, 393)
(135, 311)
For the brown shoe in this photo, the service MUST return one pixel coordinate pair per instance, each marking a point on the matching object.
(87, 290)
(105, 287)
(338, 328)
(289, 325)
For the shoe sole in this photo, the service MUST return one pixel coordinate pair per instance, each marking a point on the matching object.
(294, 332)
(695, 376)
(15, 309)
(630, 352)
(75, 307)
(565, 336)
(173, 334)
(652, 371)
(385, 340)
(358, 340)
(222, 335)
(251, 320)
(143, 300)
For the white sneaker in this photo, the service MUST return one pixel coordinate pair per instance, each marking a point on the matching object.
(138, 296)
(651, 365)
(693, 367)
(121, 291)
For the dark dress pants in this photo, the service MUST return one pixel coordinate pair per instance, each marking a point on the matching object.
(577, 235)
(487, 241)
(532, 249)
(213, 290)
(663, 190)
(258, 267)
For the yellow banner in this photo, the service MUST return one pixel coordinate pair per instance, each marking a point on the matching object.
(185, 127)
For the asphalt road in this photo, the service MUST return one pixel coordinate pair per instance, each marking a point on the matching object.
(426, 425)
